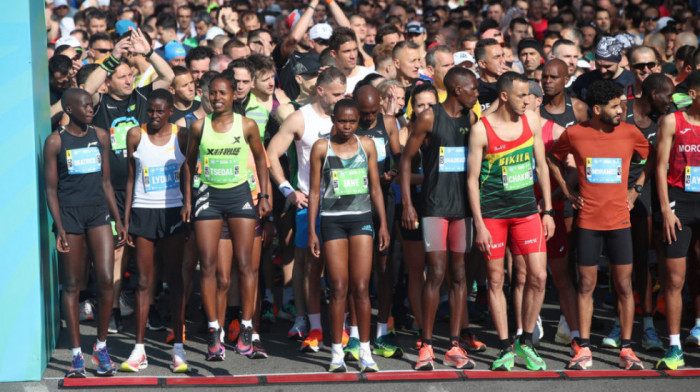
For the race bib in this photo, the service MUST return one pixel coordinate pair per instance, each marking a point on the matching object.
(251, 180)
(84, 160)
(221, 170)
(517, 176)
(692, 178)
(161, 178)
(452, 159)
(349, 181)
(604, 170)
(196, 182)
(381, 148)
(117, 136)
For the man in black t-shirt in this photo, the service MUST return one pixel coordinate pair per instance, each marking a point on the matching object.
(492, 64)
(608, 54)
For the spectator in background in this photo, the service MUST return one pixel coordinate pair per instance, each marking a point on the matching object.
(198, 61)
(530, 55)
(608, 54)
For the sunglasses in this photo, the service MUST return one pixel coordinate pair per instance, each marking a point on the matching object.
(651, 18)
(642, 66)
(432, 20)
(323, 42)
(102, 50)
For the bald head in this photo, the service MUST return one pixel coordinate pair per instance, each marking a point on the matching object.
(556, 63)
(456, 77)
(554, 77)
(72, 97)
(367, 99)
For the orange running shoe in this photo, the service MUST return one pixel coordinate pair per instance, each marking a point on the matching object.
(629, 361)
(582, 360)
(346, 337)
(457, 357)
(313, 342)
(471, 343)
(234, 329)
(171, 336)
(425, 358)
(419, 343)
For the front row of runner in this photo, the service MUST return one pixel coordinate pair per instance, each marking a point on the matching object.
(478, 188)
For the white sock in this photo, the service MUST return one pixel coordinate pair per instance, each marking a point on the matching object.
(354, 332)
(562, 319)
(300, 319)
(140, 348)
(247, 323)
(575, 334)
(214, 324)
(288, 294)
(518, 332)
(100, 345)
(268, 296)
(256, 337)
(675, 340)
(697, 322)
(365, 346)
(178, 347)
(337, 353)
(648, 322)
(381, 329)
(76, 351)
(315, 321)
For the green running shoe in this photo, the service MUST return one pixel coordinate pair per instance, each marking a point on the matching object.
(672, 360)
(613, 338)
(532, 358)
(504, 361)
(387, 347)
(352, 350)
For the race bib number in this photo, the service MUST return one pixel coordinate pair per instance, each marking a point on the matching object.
(692, 178)
(349, 181)
(251, 180)
(196, 182)
(84, 160)
(117, 136)
(517, 176)
(381, 148)
(604, 170)
(452, 159)
(221, 170)
(161, 178)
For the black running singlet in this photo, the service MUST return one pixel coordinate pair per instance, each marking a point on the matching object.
(380, 136)
(79, 165)
(566, 119)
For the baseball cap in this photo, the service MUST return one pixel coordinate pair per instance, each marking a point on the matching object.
(103, 3)
(609, 49)
(69, 40)
(321, 31)
(307, 65)
(460, 57)
(213, 32)
(60, 3)
(414, 28)
(123, 25)
(582, 63)
(174, 49)
(535, 88)
(660, 25)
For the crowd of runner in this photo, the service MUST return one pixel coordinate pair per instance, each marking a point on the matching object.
(496, 144)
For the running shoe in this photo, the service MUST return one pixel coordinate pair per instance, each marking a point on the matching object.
(77, 367)
(582, 357)
(245, 341)
(613, 338)
(352, 350)
(629, 361)
(258, 351)
(299, 329)
(425, 358)
(137, 361)
(154, 322)
(337, 367)
(234, 329)
(694, 338)
(367, 364)
(288, 312)
(115, 322)
(126, 305)
(563, 335)
(215, 350)
(538, 333)
(457, 357)
(651, 341)
(387, 347)
(87, 311)
(419, 343)
(105, 366)
(533, 361)
(171, 336)
(267, 312)
(504, 362)
(672, 360)
(178, 364)
(346, 337)
(470, 342)
(313, 342)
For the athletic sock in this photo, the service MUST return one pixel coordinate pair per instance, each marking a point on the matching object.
(288, 295)
(575, 334)
(214, 324)
(100, 345)
(505, 345)
(354, 332)
(365, 346)
(526, 339)
(381, 329)
(247, 323)
(315, 321)
(454, 341)
(255, 337)
(675, 340)
(648, 322)
(140, 347)
(466, 331)
(585, 342)
(178, 346)
(625, 343)
(519, 332)
(76, 351)
(697, 322)
(337, 351)
(427, 342)
(562, 319)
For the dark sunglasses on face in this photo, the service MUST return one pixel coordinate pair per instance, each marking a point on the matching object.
(432, 20)
(99, 50)
(323, 42)
(642, 66)
(651, 18)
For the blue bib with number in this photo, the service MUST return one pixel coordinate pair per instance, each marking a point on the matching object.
(381, 148)
(84, 160)
(604, 170)
(161, 178)
(692, 178)
(452, 159)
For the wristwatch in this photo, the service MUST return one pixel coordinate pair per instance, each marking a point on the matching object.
(548, 212)
(638, 188)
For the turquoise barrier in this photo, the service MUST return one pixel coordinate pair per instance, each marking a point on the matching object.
(29, 307)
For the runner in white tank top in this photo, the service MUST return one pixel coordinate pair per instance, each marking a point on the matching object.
(315, 127)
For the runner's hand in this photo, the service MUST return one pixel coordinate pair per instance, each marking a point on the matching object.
(268, 233)
(129, 239)
(263, 208)
(121, 233)
(314, 245)
(549, 227)
(298, 199)
(631, 198)
(409, 217)
(384, 240)
(62, 242)
(185, 212)
(671, 221)
(484, 241)
(576, 201)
